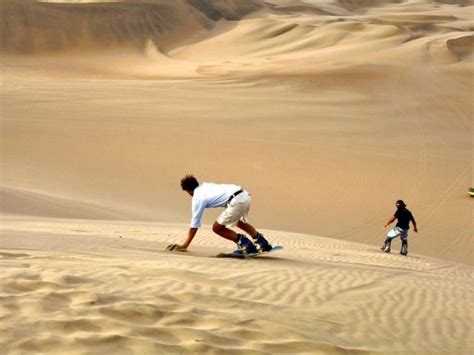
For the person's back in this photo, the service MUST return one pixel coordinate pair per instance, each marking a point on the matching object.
(404, 216)
(214, 195)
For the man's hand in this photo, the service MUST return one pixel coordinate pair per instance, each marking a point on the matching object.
(175, 247)
(416, 230)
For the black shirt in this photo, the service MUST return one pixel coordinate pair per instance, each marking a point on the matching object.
(404, 217)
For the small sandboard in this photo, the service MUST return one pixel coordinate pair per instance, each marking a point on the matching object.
(241, 256)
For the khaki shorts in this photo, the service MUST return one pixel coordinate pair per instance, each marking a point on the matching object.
(236, 210)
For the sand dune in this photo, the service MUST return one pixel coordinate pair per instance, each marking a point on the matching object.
(88, 25)
(342, 156)
(326, 111)
(110, 286)
(189, 39)
(21, 202)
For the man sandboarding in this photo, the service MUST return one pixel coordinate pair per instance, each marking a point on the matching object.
(403, 217)
(236, 202)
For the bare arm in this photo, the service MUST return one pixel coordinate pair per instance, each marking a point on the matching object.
(191, 233)
(390, 221)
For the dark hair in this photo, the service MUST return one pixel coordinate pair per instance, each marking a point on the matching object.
(189, 183)
(401, 203)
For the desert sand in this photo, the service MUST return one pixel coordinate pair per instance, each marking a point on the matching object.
(326, 111)
(82, 286)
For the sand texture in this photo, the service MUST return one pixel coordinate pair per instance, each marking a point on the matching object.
(109, 286)
(327, 112)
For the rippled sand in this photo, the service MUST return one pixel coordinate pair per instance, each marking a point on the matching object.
(326, 111)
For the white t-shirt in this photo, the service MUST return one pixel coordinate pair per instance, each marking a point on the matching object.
(210, 195)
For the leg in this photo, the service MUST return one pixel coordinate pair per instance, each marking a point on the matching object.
(232, 214)
(224, 232)
(259, 240)
(244, 244)
(386, 245)
(247, 227)
(404, 248)
(392, 234)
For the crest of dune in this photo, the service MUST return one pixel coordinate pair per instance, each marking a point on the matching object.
(273, 32)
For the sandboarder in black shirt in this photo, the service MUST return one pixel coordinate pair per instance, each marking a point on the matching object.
(403, 217)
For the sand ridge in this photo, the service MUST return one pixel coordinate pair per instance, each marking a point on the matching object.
(192, 39)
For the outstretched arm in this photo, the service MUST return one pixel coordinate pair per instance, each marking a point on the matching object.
(191, 233)
(390, 221)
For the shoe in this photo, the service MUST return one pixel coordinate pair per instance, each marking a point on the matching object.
(404, 249)
(386, 247)
(245, 246)
(262, 244)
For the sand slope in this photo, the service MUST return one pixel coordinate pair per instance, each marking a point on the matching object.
(326, 111)
(331, 163)
(21, 202)
(109, 286)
